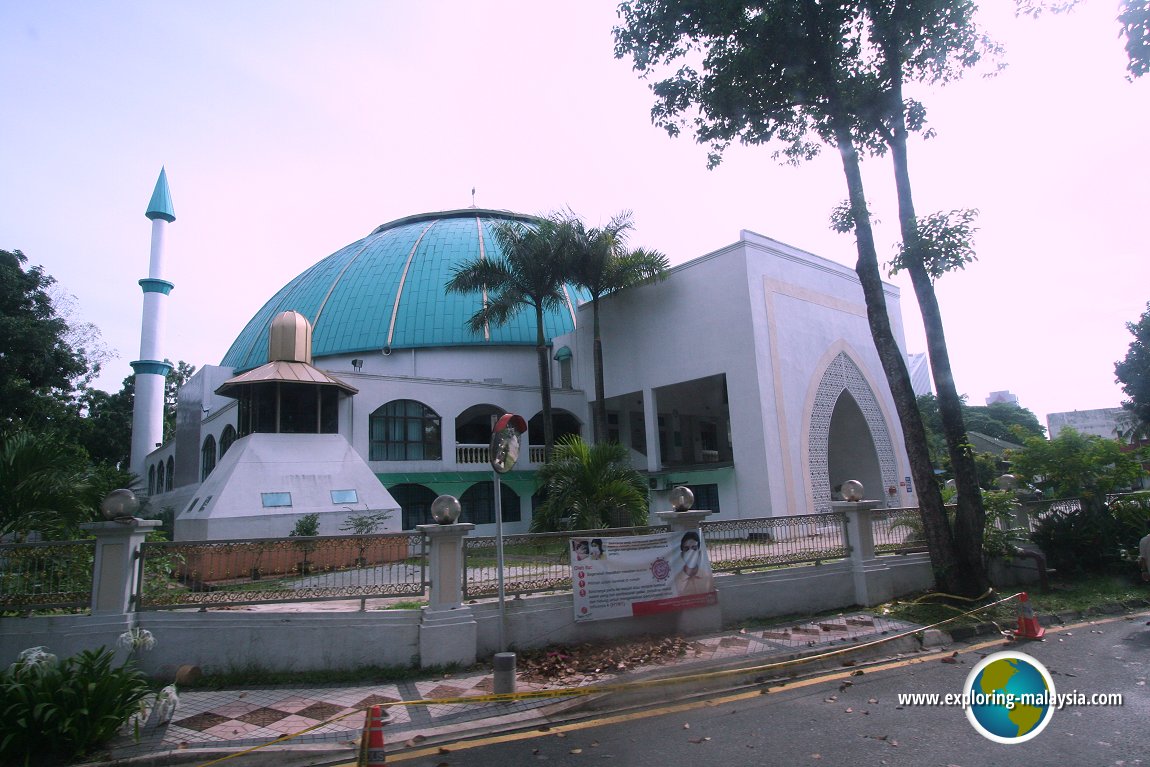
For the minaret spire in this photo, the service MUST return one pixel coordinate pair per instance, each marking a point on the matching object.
(151, 368)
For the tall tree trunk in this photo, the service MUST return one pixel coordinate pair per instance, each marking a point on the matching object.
(544, 384)
(970, 515)
(939, 540)
(600, 412)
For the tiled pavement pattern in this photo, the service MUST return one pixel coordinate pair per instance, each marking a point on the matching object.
(242, 718)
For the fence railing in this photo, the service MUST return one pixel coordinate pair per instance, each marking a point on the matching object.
(1034, 511)
(532, 562)
(749, 544)
(46, 575)
(897, 531)
(481, 454)
(206, 573)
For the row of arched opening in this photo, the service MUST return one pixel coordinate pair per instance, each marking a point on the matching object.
(478, 502)
(160, 476)
(400, 430)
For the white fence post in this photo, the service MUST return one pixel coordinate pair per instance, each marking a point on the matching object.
(114, 572)
(448, 632)
(698, 620)
(860, 537)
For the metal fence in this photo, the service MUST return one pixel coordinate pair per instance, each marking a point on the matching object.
(751, 544)
(897, 531)
(532, 562)
(47, 575)
(1035, 511)
(255, 571)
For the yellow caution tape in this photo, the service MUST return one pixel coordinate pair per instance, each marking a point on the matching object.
(570, 692)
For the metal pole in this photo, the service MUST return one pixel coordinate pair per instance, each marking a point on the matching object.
(499, 559)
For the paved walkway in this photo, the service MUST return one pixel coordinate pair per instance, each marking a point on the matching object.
(334, 716)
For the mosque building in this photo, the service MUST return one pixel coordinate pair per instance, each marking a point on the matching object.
(748, 374)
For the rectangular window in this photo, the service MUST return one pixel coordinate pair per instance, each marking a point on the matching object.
(344, 496)
(207, 500)
(275, 500)
(192, 505)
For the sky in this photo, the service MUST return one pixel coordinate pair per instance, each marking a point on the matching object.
(291, 129)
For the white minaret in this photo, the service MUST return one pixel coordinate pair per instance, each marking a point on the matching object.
(151, 369)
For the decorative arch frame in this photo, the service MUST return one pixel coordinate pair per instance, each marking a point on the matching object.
(843, 374)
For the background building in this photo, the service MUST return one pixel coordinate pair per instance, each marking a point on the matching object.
(1107, 422)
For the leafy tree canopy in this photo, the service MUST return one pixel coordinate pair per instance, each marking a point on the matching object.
(1133, 371)
(40, 370)
(1074, 465)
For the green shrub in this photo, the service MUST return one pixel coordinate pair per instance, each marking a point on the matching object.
(1132, 515)
(1097, 537)
(56, 711)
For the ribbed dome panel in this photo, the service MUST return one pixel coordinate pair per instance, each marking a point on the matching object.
(351, 296)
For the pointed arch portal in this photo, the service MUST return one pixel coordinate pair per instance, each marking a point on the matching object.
(849, 438)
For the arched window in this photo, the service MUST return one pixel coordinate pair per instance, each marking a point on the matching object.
(171, 478)
(208, 454)
(405, 430)
(415, 501)
(160, 477)
(152, 479)
(478, 503)
(227, 438)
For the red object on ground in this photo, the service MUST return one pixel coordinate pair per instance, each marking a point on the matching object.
(1028, 626)
(371, 753)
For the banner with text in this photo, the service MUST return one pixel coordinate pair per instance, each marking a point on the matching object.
(640, 575)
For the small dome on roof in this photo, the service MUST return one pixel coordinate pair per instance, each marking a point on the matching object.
(290, 338)
(387, 291)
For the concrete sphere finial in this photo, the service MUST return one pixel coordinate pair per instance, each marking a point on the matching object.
(119, 504)
(852, 490)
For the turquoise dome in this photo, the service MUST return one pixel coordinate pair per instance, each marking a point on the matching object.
(386, 291)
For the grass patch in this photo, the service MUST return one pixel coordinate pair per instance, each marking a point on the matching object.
(404, 605)
(1082, 594)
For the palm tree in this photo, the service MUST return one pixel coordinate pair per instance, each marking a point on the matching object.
(530, 274)
(598, 259)
(593, 485)
(45, 486)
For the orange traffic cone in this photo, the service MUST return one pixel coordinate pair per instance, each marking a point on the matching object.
(371, 753)
(1028, 626)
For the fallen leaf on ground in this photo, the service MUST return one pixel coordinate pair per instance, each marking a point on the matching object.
(572, 663)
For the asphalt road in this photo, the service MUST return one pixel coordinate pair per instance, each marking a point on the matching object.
(845, 719)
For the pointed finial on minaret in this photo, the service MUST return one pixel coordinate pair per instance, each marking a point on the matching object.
(160, 206)
(151, 368)
(473, 197)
